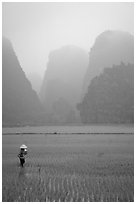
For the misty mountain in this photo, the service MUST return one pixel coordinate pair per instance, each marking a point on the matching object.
(110, 48)
(63, 82)
(110, 97)
(36, 81)
(20, 104)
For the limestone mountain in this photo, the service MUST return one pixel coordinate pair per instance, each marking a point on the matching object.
(63, 80)
(20, 104)
(110, 48)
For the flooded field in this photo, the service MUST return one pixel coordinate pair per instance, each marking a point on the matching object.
(89, 163)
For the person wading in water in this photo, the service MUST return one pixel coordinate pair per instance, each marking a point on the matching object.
(21, 155)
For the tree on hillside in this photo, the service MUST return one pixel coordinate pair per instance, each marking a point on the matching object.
(110, 97)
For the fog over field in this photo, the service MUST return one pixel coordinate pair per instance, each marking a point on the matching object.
(68, 101)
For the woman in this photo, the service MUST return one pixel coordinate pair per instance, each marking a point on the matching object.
(21, 155)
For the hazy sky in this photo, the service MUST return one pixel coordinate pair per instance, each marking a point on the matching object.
(37, 28)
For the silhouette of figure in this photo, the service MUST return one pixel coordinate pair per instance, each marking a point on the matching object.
(21, 155)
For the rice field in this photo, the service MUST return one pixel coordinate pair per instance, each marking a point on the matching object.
(69, 167)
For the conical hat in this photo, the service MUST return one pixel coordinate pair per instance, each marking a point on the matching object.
(23, 146)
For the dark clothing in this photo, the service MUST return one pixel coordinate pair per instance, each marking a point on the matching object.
(22, 159)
